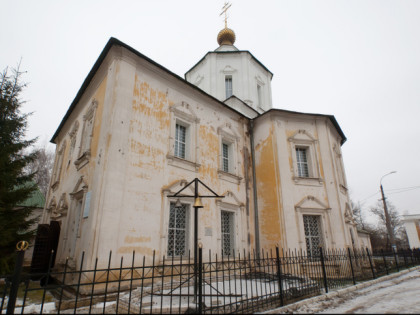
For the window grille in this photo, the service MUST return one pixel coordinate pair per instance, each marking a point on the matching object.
(180, 141)
(228, 86)
(302, 162)
(227, 233)
(225, 157)
(313, 236)
(177, 232)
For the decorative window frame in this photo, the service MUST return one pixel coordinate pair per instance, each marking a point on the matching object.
(58, 166)
(87, 134)
(260, 98)
(73, 139)
(310, 205)
(228, 136)
(231, 203)
(183, 114)
(228, 71)
(303, 139)
(61, 208)
(79, 193)
(340, 169)
(166, 208)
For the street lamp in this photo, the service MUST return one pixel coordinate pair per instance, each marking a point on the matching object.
(387, 218)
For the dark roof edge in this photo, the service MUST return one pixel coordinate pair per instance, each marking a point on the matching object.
(330, 117)
(111, 42)
(230, 52)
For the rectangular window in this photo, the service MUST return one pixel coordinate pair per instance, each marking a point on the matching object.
(227, 233)
(302, 162)
(225, 157)
(180, 141)
(259, 95)
(228, 86)
(313, 235)
(178, 230)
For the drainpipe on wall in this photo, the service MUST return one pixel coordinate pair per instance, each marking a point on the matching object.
(254, 184)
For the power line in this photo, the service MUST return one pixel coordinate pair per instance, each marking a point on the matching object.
(412, 187)
(397, 192)
(370, 196)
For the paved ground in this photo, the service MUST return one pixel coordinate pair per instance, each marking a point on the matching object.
(397, 293)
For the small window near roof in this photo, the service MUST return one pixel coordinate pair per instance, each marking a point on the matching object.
(228, 86)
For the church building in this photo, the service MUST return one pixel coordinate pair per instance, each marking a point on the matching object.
(136, 134)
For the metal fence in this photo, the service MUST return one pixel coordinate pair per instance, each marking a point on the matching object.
(242, 283)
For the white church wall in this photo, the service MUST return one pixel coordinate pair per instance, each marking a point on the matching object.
(139, 165)
(245, 72)
(276, 138)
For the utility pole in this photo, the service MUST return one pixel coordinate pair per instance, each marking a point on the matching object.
(387, 218)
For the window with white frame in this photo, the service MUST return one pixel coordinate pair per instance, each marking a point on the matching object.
(302, 162)
(228, 86)
(227, 230)
(305, 160)
(183, 151)
(180, 141)
(178, 230)
(225, 157)
(228, 156)
(313, 234)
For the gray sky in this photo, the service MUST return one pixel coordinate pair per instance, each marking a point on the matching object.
(356, 60)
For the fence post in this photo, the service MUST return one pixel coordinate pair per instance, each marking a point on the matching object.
(279, 276)
(200, 280)
(370, 262)
(20, 254)
(405, 259)
(383, 256)
(351, 266)
(324, 272)
(396, 259)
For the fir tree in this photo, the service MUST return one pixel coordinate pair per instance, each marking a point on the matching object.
(15, 185)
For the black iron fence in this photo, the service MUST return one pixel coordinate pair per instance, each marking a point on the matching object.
(242, 283)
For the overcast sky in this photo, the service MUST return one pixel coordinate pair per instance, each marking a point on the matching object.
(356, 60)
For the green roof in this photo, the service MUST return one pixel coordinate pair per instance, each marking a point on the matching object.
(35, 200)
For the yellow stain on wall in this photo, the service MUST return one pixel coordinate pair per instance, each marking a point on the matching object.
(209, 151)
(133, 239)
(268, 190)
(150, 120)
(151, 103)
(141, 250)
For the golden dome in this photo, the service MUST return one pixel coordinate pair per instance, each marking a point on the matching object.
(226, 37)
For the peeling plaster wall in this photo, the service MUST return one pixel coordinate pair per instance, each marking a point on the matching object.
(60, 201)
(136, 175)
(132, 169)
(283, 198)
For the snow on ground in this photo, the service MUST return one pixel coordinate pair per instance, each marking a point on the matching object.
(400, 295)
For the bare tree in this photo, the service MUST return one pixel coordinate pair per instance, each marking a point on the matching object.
(42, 167)
(358, 216)
(397, 226)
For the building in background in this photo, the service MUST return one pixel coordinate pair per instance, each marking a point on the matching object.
(136, 133)
(412, 227)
